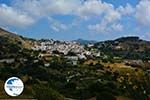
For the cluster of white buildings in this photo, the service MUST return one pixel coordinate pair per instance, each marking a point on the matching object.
(64, 47)
(61, 46)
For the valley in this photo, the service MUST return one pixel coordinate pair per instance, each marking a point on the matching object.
(69, 70)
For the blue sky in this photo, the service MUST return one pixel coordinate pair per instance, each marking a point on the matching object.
(73, 19)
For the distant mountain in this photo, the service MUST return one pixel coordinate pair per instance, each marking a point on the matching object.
(126, 47)
(84, 42)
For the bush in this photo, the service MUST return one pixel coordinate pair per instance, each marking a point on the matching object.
(105, 96)
(47, 93)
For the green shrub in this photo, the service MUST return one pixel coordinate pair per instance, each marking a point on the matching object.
(47, 93)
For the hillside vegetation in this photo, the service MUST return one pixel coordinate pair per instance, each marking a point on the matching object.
(12, 44)
(126, 47)
(120, 71)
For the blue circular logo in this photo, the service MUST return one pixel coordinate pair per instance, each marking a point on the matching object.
(14, 86)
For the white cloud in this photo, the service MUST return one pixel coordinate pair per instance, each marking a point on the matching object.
(143, 12)
(105, 28)
(56, 25)
(87, 9)
(112, 16)
(110, 21)
(90, 8)
(117, 27)
(41, 8)
(26, 12)
(98, 8)
(11, 16)
(128, 10)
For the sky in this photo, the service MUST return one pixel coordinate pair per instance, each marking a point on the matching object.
(73, 19)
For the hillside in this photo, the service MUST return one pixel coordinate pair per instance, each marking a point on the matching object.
(58, 76)
(11, 43)
(126, 47)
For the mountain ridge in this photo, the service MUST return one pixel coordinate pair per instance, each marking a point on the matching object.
(85, 42)
(125, 46)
